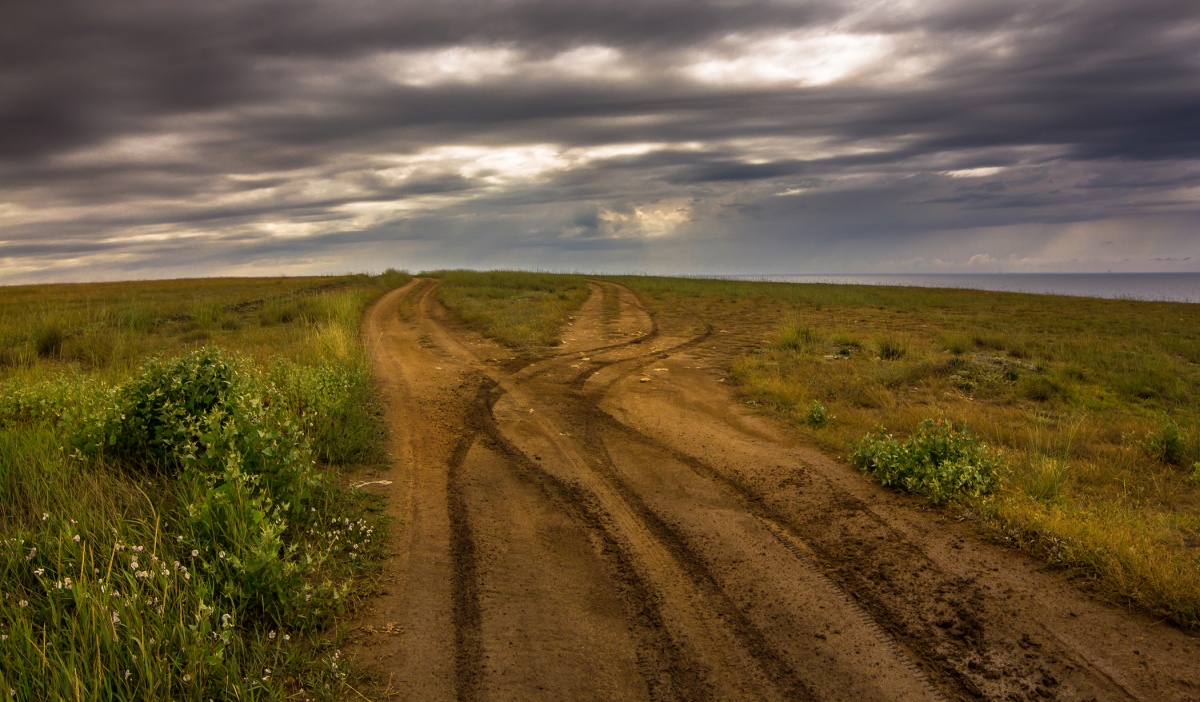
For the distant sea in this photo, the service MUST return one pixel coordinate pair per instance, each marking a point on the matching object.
(1173, 287)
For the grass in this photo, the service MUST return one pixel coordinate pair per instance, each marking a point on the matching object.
(172, 521)
(1091, 404)
(525, 311)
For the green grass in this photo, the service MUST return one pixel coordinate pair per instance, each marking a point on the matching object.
(1091, 402)
(172, 521)
(524, 311)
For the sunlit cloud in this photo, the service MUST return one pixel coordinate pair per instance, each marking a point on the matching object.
(652, 220)
(974, 172)
(789, 59)
(457, 64)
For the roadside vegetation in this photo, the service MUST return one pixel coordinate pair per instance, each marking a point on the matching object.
(524, 311)
(174, 516)
(1069, 426)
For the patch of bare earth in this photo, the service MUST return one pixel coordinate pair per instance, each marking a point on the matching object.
(609, 523)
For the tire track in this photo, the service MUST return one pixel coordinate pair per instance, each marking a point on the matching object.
(793, 542)
(596, 455)
(633, 534)
(468, 647)
(800, 550)
(669, 672)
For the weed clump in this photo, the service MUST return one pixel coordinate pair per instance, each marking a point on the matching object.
(49, 341)
(1168, 445)
(1043, 480)
(794, 336)
(891, 348)
(937, 461)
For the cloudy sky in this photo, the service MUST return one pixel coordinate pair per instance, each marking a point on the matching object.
(141, 138)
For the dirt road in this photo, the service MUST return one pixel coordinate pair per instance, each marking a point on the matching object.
(609, 524)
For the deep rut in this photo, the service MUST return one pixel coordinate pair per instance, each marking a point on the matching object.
(607, 524)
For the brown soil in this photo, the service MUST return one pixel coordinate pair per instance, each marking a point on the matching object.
(609, 523)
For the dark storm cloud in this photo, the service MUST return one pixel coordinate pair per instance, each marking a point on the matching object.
(333, 130)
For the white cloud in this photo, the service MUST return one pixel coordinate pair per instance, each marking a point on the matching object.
(789, 58)
(974, 172)
(456, 64)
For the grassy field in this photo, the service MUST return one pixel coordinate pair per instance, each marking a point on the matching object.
(173, 520)
(524, 311)
(1088, 408)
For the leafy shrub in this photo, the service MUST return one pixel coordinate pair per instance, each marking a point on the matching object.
(937, 461)
(1168, 445)
(817, 415)
(244, 466)
(157, 417)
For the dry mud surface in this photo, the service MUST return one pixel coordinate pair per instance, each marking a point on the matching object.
(610, 524)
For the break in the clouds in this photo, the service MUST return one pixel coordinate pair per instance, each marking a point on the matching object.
(141, 138)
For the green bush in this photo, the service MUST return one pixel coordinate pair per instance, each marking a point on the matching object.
(937, 461)
(817, 415)
(158, 416)
(178, 575)
(245, 470)
(1168, 445)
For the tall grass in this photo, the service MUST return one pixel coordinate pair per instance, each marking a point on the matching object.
(172, 524)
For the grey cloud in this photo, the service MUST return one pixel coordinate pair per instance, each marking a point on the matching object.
(1089, 108)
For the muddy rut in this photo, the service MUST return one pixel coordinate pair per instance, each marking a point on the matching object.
(609, 524)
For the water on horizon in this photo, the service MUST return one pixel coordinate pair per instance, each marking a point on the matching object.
(1168, 287)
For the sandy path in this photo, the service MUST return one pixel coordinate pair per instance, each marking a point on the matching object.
(609, 523)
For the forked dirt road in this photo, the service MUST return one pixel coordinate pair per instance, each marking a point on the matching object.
(609, 524)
